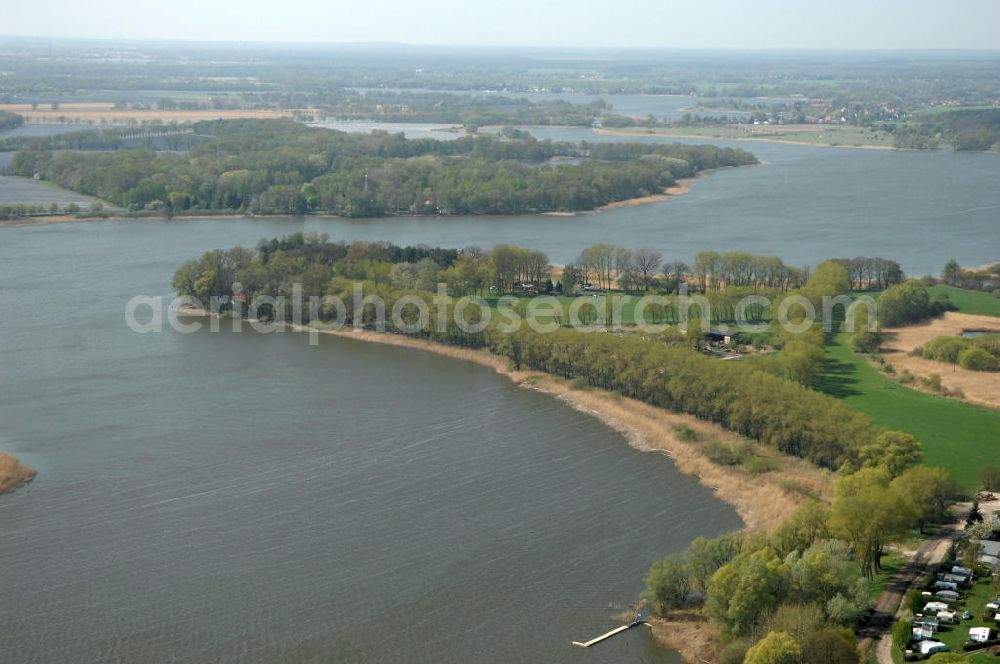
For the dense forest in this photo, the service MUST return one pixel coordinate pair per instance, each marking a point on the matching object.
(279, 166)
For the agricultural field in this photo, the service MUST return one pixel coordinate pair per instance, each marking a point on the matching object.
(14, 190)
(811, 134)
(955, 435)
(105, 113)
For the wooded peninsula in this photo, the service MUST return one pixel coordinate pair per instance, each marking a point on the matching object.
(282, 167)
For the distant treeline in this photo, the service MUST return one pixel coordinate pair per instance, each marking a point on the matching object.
(155, 136)
(965, 129)
(471, 111)
(10, 120)
(282, 167)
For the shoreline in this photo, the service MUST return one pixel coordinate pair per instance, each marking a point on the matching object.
(13, 473)
(679, 188)
(761, 501)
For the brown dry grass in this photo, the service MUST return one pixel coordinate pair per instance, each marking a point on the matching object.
(13, 473)
(980, 387)
(690, 634)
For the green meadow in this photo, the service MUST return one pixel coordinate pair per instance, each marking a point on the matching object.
(968, 301)
(955, 435)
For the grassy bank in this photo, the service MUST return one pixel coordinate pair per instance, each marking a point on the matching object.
(968, 301)
(955, 435)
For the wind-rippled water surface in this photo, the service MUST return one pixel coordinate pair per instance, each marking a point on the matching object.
(221, 497)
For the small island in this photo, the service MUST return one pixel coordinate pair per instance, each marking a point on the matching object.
(13, 473)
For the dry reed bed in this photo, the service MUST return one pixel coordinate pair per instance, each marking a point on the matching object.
(980, 387)
(13, 473)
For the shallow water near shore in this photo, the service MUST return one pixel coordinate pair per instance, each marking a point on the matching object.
(221, 497)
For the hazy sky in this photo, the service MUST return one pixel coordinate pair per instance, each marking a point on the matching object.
(619, 23)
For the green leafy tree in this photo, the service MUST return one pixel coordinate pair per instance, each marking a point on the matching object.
(775, 648)
(746, 589)
(668, 583)
(952, 274)
(705, 556)
(905, 303)
(893, 451)
(802, 529)
(868, 513)
(930, 490)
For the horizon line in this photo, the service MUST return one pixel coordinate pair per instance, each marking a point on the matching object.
(177, 41)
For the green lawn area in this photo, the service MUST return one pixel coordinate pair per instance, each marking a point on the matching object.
(955, 435)
(956, 635)
(969, 302)
(979, 658)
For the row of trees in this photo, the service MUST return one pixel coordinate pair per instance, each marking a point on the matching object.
(278, 166)
(643, 269)
(18, 210)
(871, 272)
(715, 271)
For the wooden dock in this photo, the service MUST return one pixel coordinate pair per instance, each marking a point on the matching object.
(608, 635)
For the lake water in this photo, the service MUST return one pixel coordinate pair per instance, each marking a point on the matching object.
(221, 497)
(242, 497)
